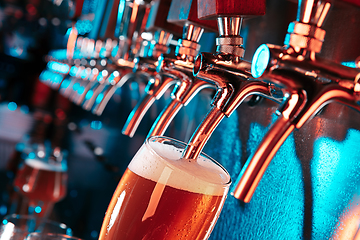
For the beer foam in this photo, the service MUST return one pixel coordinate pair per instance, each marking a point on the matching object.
(201, 176)
(49, 166)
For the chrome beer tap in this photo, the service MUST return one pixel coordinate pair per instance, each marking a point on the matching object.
(309, 83)
(144, 67)
(132, 17)
(161, 34)
(173, 70)
(229, 72)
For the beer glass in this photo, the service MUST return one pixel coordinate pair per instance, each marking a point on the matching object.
(17, 227)
(162, 196)
(49, 236)
(42, 180)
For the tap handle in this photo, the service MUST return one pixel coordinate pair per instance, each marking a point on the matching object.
(185, 12)
(76, 10)
(211, 9)
(157, 19)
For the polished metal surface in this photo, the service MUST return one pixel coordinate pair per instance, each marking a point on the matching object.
(309, 83)
(170, 70)
(231, 74)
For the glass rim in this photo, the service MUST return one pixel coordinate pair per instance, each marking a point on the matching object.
(15, 216)
(39, 234)
(183, 144)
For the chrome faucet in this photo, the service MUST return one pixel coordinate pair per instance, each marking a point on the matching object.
(157, 85)
(309, 83)
(144, 67)
(170, 70)
(231, 74)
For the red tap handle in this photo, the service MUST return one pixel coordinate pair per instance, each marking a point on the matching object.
(211, 9)
(186, 12)
(78, 9)
(158, 18)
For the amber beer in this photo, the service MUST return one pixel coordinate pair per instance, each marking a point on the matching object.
(38, 180)
(162, 196)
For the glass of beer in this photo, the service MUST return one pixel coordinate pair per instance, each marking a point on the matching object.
(42, 181)
(163, 196)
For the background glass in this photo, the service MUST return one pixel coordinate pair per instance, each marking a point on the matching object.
(50, 236)
(162, 196)
(17, 227)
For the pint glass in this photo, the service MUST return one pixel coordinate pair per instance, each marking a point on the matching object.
(162, 196)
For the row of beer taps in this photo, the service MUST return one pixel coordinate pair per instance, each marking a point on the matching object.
(291, 75)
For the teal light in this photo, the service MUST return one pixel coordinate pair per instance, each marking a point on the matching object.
(89, 94)
(32, 155)
(38, 209)
(81, 90)
(73, 71)
(76, 86)
(58, 67)
(260, 61)
(5, 222)
(24, 109)
(97, 125)
(99, 98)
(349, 64)
(12, 106)
(65, 83)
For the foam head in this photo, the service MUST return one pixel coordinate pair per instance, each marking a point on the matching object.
(162, 162)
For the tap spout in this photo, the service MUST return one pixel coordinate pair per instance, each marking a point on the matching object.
(306, 96)
(184, 91)
(255, 168)
(154, 90)
(234, 84)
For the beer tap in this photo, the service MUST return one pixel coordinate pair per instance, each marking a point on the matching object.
(131, 24)
(226, 69)
(309, 83)
(144, 67)
(173, 70)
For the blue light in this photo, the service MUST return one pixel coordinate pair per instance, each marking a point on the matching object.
(349, 64)
(3, 209)
(99, 98)
(89, 94)
(81, 90)
(38, 209)
(58, 67)
(5, 222)
(94, 234)
(73, 71)
(59, 54)
(65, 83)
(97, 125)
(83, 74)
(24, 109)
(12, 106)
(32, 155)
(76, 86)
(20, 147)
(260, 61)
(102, 53)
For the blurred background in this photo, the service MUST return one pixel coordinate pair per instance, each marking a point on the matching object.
(97, 153)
